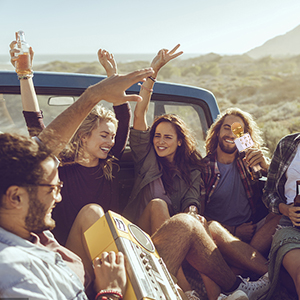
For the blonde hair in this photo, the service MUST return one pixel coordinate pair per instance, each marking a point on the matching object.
(251, 127)
(75, 148)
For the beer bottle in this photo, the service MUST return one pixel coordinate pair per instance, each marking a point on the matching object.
(297, 197)
(23, 63)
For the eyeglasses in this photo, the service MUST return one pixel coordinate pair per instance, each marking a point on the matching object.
(56, 187)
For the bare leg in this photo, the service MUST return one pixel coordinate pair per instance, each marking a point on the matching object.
(291, 262)
(153, 216)
(237, 253)
(262, 239)
(212, 289)
(76, 242)
(183, 236)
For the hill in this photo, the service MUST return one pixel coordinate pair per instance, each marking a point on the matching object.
(282, 45)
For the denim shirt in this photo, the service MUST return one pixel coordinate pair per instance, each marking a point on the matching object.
(31, 271)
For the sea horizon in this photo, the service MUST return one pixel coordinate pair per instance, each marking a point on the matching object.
(40, 59)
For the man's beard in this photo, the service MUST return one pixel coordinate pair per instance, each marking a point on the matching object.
(35, 219)
(224, 148)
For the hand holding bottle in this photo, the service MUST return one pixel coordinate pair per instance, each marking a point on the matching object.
(21, 56)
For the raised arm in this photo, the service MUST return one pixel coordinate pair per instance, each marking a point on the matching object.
(108, 62)
(141, 108)
(58, 133)
(31, 110)
(28, 95)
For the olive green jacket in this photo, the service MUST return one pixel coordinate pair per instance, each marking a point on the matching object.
(147, 169)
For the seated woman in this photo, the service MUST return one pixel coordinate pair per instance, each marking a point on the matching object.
(167, 162)
(88, 168)
(279, 194)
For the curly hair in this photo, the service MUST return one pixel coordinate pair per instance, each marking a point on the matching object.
(186, 154)
(251, 127)
(20, 161)
(74, 148)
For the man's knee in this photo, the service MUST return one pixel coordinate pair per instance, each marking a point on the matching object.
(185, 225)
(215, 227)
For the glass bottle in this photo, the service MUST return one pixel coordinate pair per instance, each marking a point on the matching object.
(23, 63)
(297, 197)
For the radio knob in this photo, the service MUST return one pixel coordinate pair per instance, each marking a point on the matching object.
(148, 267)
(143, 254)
(145, 261)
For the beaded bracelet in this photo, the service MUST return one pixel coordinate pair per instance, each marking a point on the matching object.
(108, 292)
(26, 76)
(143, 87)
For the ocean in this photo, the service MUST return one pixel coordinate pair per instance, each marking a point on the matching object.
(120, 58)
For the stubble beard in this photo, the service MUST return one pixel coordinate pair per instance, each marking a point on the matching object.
(35, 219)
(225, 149)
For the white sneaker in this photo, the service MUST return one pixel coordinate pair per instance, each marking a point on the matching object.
(237, 295)
(192, 295)
(255, 289)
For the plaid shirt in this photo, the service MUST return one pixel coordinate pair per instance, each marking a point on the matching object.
(281, 160)
(211, 176)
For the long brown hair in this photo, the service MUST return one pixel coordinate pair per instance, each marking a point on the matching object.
(186, 154)
(74, 149)
(251, 127)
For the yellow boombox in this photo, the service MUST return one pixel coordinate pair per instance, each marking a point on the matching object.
(147, 275)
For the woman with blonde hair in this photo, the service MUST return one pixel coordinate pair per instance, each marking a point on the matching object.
(88, 166)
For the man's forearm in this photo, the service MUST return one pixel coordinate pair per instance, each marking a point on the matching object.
(59, 132)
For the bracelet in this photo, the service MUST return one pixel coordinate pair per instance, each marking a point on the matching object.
(152, 78)
(108, 292)
(26, 76)
(149, 90)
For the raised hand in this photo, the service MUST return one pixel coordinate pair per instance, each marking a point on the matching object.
(14, 51)
(110, 273)
(112, 89)
(164, 56)
(108, 62)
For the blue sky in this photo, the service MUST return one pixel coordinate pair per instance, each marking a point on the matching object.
(200, 26)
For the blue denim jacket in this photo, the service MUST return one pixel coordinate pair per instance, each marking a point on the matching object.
(34, 272)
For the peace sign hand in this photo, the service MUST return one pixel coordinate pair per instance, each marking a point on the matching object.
(162, 57)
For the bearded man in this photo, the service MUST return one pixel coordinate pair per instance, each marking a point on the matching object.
(232, 193)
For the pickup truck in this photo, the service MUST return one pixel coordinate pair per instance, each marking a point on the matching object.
(55, 91)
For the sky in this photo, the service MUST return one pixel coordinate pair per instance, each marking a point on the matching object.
(120, 26)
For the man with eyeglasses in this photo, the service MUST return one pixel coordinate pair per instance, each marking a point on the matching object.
(32, 264)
